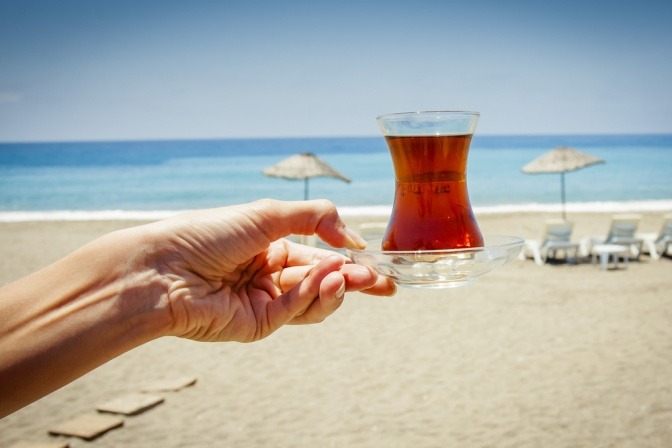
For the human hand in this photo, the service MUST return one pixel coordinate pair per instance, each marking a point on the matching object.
(231, 276)
(215, 275)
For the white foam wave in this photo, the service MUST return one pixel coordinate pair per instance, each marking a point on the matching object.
(651, 206)
(371, 210)
(572, 207)
(85, 215)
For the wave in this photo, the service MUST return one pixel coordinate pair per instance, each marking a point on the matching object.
(651, 206)
(87, 215)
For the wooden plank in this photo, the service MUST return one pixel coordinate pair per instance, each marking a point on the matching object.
(131, 404)
(170, 385)
(87, 426)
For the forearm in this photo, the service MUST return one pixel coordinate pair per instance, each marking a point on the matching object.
(75, 315)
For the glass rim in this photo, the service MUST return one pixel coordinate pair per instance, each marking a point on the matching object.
(429, 123)
(429, 112)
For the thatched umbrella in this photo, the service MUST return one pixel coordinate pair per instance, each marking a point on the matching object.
(561, 160)
(303, 166)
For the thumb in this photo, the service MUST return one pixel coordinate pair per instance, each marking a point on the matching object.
(283, 218)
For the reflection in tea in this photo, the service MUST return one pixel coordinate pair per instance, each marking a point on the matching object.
(431, 205)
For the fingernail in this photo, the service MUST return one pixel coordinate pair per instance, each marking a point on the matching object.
(341, 291)
(362, 270)
(353, 240)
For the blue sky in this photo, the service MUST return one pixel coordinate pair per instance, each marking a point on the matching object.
(100, 70)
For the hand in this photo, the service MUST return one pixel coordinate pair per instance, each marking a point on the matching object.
(213, 275)
(231, 276)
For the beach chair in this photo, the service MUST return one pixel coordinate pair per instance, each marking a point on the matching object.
(622, 232)
(659, 244)
(555, 239)
(664, 241)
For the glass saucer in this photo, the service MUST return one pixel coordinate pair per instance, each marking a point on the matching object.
(439, 268)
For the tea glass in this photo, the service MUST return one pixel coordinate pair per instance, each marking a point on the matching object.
(432, 239)
(431, 208)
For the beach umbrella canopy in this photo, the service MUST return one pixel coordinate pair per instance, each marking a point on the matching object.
(302, 167)
(561, 160)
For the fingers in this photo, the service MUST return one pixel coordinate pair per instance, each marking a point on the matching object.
(361, 278)
(321, 292)
(301, 259)
(302, 255)
(357, 278)
(299, 298)
(384, 286)
(279, 219)
(332, 292)
(350, 277)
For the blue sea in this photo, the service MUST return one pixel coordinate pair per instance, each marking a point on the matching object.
(126, 179)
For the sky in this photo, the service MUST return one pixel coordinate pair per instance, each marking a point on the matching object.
(144, 69)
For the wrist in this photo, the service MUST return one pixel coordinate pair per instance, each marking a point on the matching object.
(141, 303)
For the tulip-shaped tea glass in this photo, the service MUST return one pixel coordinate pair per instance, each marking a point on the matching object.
(432, 238)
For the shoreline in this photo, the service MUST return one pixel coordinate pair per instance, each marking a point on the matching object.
(54, 238)
(637, 206)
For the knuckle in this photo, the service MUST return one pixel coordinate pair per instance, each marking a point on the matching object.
(264, 204)
(326, 207)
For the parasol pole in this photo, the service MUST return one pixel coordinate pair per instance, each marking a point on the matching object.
(304, 238)
(562, 193)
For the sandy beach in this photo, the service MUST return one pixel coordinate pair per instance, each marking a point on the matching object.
(527, 356)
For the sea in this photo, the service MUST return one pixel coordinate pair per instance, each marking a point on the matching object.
(154, 179)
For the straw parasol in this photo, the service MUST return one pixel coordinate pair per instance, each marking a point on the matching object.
(303, 166)
(561, 160)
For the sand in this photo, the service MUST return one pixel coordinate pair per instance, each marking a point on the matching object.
(527, 356)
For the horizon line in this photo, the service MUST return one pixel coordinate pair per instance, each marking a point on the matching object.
(309, 137)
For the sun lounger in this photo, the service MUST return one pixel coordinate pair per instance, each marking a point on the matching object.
(621, 232)
(659, 244)
(555, 239)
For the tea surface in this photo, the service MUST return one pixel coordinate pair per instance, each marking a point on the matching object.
(431, 203)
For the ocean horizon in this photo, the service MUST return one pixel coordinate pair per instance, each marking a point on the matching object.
(155, 179)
